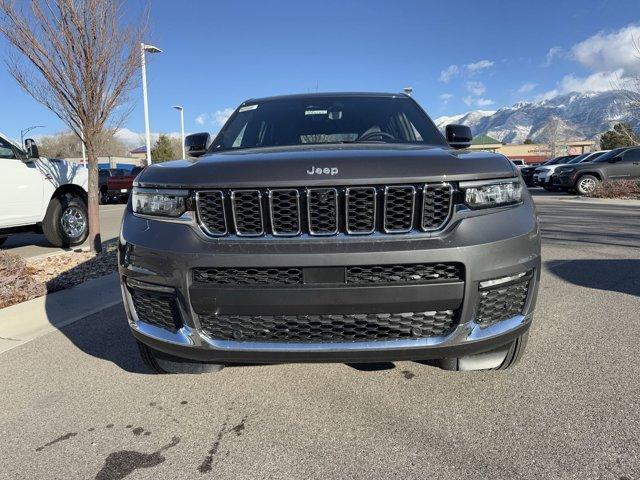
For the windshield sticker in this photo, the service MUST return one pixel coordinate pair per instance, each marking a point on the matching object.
(248, 107)
(315, 112)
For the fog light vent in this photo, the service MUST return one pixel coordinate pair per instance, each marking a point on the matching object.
(502, 298)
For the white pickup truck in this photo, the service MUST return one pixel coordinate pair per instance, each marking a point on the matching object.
(42, 195)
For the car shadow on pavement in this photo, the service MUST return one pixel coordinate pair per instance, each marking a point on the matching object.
(615, 275)
(104, 334)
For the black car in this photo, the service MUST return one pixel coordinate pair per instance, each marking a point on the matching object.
(617, 164)
(527, 172)
(330, 228)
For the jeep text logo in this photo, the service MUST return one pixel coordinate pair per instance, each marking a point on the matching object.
(322, 171)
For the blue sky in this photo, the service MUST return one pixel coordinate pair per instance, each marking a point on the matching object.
(457, 56)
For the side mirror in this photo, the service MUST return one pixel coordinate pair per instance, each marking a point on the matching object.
(458, 136)
(31, 148)
(197, 144)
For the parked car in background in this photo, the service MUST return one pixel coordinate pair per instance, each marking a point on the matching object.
(543, 176)
(618, 164)
(528, 171)
(119, 186)
(103, 176)
(42, 195)
(518, 162)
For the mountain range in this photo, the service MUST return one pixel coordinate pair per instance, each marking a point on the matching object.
(571, 116)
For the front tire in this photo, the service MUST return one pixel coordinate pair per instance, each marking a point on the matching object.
(66, 223)
(163, 363)
(586, 184)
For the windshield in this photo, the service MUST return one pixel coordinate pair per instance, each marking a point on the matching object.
(609, 155)
(326, 120)
(555, 161)
(578, 159)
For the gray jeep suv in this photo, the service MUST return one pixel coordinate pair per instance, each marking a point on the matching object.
(330, 228)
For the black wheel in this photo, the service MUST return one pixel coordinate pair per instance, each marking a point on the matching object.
(586, 184)
(104, 196)
(163, 363)
(66, 223)
(489, 360)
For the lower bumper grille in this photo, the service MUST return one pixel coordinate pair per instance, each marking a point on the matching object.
(500, 303)
(155, 308)
(329, 327)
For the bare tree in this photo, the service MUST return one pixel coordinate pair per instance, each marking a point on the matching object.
(68, 145)
(79, 59)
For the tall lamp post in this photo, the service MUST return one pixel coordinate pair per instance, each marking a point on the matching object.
(181, 110)
(150, 49)
(27, 130)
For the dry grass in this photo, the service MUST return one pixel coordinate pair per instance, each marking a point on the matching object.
(624, 189)
(22, 280)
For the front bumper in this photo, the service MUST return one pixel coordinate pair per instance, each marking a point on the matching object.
(489, 246)
(565, 181)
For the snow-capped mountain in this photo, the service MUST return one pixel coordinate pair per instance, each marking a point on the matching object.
(571, 116)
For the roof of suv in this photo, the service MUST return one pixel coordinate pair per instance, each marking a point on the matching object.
(326, 94)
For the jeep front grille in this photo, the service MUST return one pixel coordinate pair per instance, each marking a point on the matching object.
(323, 211)
(356, 327)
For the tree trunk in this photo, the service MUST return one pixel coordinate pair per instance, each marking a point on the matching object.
(93, 203)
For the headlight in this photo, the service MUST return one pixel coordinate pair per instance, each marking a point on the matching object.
(159, 202)
(493, 193)
(540, 170)
(566, 169)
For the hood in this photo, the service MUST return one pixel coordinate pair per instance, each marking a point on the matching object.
(363, 164)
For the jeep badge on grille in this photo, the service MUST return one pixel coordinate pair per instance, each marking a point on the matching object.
(322, 171)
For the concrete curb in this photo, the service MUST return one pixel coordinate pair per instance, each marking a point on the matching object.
(26, 321)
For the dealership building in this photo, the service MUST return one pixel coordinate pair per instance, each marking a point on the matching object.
(534, 152)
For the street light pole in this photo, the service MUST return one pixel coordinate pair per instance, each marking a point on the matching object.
(27, 130)
(181, 109)
(151, 49)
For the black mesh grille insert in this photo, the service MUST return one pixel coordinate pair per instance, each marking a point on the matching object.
(211, 212)
(285, 211)
(329, 327)
(248, 276)
(247, 212)
(159, 309)
(399, 205)
(407, 273)
(501, 303)
(323, 211)
(436, 205)
(361, 209)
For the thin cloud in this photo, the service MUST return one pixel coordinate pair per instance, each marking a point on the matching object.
(479, 65)
(552, 54)
(476, 88)
(527, 87)
(448, 73)
(446, 97)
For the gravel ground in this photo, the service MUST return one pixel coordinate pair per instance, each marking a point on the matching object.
(83, 405)
(25, 279)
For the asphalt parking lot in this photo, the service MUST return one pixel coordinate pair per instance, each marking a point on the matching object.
(78, 403)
